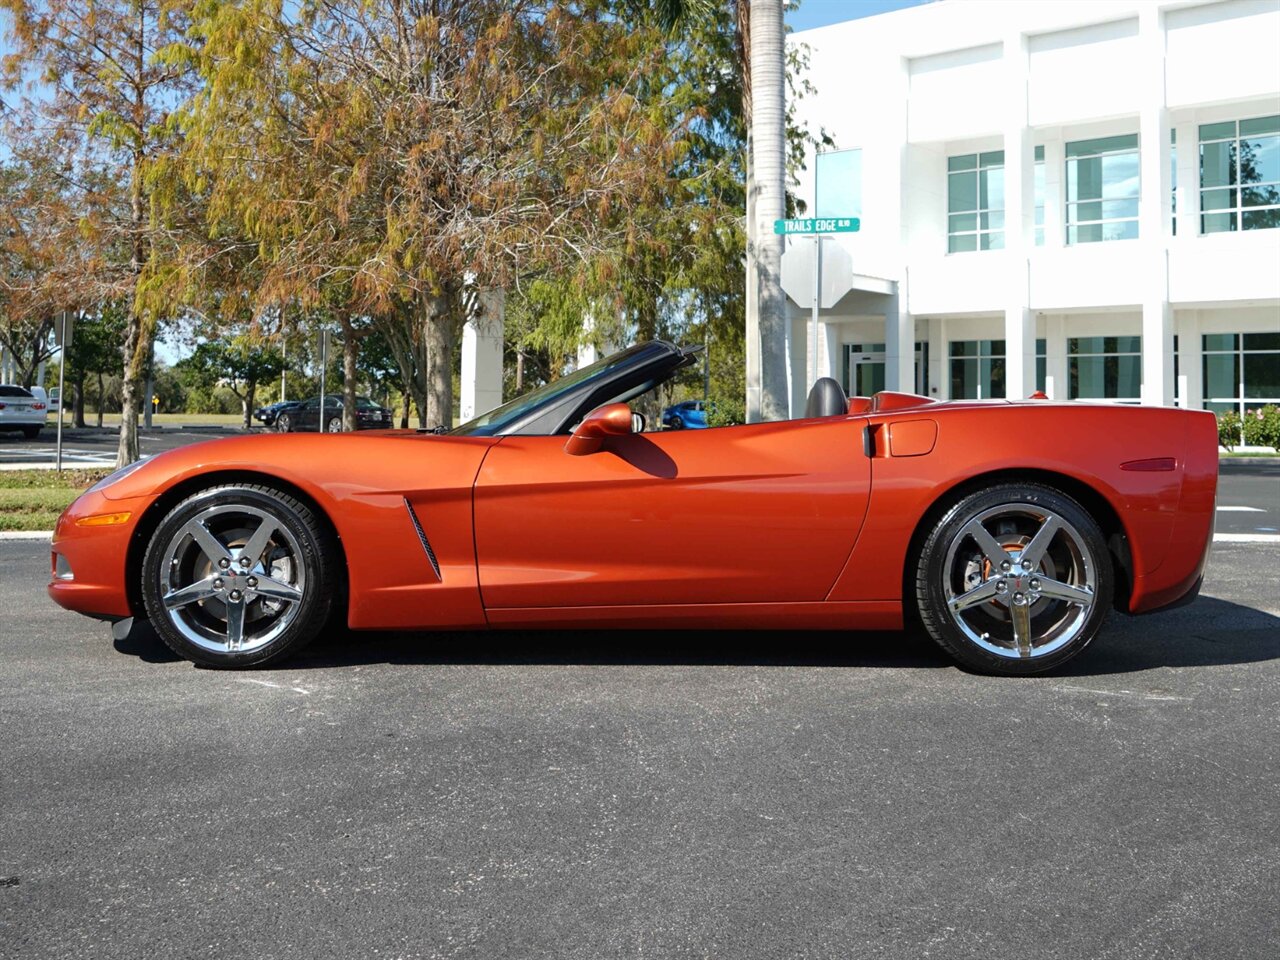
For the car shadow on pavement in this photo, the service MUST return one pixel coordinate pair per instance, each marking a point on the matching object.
(1207, 633)
(1210, 632)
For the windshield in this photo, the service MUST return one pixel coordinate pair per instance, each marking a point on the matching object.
(491, 423)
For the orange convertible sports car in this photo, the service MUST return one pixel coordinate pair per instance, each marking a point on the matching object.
(1008, 528)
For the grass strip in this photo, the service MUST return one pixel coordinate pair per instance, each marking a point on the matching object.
(33, 499)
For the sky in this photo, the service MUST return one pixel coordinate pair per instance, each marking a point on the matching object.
(820, 13)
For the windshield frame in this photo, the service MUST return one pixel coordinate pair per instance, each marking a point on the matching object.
(556, 406)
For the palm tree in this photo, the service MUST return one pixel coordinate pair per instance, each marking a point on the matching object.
(767, 199)
(762, 61)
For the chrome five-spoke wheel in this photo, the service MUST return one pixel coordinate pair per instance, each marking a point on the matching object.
(237, 576)
(1015, 579)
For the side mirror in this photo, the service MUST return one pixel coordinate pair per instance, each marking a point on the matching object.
(611, 420)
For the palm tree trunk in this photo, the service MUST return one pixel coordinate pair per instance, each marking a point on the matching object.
(768, 131)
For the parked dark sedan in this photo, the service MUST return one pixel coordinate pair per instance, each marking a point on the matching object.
(306, 416)
(267, 415)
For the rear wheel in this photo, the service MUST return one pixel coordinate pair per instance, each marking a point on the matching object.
(284, 423)
(31, 432)
(1015, 579)
(677, 423)
(238, 576)
(334, 425)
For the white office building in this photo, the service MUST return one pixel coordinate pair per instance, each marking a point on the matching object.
(1077, 197)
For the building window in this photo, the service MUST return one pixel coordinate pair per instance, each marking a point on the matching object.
(977, 369)
(975, 202)
(1102, 189)
(837, 182)
(1039, 196)
(1241, 371)
(1240, 175)
(1104, 368)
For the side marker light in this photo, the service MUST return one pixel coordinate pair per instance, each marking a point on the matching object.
(103, 519)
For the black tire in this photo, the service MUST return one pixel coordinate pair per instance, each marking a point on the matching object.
(284, 423)
(677, 423)
(986, 610)
(298, 561)
(30, 433)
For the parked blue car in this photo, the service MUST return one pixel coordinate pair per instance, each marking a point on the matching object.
(689, 415)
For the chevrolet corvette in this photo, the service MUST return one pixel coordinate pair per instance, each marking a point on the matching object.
(1008, 530)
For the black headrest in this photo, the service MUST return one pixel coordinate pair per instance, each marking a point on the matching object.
(826, 399)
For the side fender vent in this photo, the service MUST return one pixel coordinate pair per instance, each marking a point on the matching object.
(422, 538)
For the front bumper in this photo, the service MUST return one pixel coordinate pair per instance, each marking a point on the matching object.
(88, 563)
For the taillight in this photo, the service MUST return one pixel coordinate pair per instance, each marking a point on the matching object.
(1, 406)
(37, 406)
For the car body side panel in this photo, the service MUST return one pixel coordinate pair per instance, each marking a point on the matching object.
(824, 615)
(1086, 442)
(760, 513)
(361, 481)
(1192, 534)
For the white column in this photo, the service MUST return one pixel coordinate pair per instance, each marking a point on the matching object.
(1190, 362)
(944, 357)
(829, 358)
(1019, 223)
(482, 354)
(937, 358)
(899, 342)
(1055, 193)
(1055, 358)
(1153, 214)
(596, 342)
(796, 326)
(1188, 182)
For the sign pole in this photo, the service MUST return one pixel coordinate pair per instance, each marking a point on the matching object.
(817, 304)
(62, 377)
(324, 364)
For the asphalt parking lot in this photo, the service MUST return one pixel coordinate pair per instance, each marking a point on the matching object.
(644, 795)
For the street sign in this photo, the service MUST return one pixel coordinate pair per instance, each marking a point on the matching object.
(63, 328)
(818, 225)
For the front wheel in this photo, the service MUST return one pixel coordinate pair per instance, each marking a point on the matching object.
(238, 576)
(334, 425)
(283, 423)
(1015, 579)
(31, 433)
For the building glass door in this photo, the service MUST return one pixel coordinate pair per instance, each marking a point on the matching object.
(864, 368)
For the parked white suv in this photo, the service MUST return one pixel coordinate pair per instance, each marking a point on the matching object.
(21, 410)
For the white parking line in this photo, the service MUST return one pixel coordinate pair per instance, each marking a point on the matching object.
(1241, 510)
(1246, 538)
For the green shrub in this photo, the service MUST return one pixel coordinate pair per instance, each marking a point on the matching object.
(1262, 427)
(726, 412)
(1229, 430)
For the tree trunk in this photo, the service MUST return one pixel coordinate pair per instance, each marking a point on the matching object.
(78, 408)
(768, 129)
(251, 388)
(404, 410)
(137, 338)
(751, 303)
(102, 400)
(438, 339)
(350, 352)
